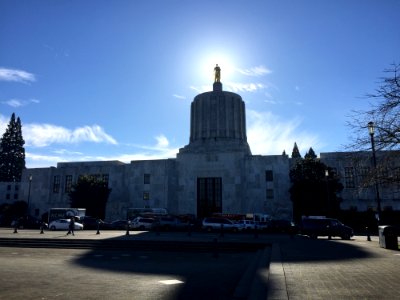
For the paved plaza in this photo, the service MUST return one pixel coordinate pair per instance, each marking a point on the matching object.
(289, 268)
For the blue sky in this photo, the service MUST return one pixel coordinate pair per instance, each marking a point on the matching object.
(101, 80)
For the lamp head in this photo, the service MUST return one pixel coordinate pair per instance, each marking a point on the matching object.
(371, 128)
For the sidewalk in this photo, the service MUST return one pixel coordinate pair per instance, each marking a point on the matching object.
(299, 268)
(333, 269)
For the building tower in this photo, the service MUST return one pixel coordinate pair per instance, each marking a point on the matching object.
(217, 122)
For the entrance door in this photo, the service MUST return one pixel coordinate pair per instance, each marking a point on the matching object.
(209, 196)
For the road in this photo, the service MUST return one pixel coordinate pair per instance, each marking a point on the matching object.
(33, 273)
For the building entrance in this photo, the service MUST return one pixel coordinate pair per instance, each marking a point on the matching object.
(209, 196)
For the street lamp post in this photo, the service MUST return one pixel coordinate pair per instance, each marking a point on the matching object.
(371, 129)
(29, 191)
(327, 192)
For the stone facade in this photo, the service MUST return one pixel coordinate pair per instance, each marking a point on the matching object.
(214, 173)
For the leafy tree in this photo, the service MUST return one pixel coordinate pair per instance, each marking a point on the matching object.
(312, 192)
(9, 212)
(12, 152)
(296, 153)
(90, 193)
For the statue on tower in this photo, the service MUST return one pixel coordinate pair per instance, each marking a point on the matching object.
(217, 72)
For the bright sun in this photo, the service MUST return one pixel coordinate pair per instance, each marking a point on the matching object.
(224, 61)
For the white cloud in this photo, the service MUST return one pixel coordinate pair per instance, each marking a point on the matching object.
(245, 87)
(3, 124)
(267, 134)
(41, 160)
(162, 141)
(179, 96)
(235, 87)
(16, 75)
(145, 155)
(254, 71)
(42, 135)
(18, 103)
(13, 102)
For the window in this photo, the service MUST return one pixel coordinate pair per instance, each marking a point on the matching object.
(8, 196)
(16, 188)
(270, 194)
(146, 196)
(9, 187)
(269, 176)
(146, 179)
(349, 177)
(56, 184)
(68, 183)
(15, 196)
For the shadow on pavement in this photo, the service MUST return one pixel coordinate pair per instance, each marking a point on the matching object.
(303, 249)
(192, 274)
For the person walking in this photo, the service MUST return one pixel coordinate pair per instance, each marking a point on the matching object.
(71, 226)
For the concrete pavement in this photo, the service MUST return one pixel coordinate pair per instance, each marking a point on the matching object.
(295, 268)
(333, 269)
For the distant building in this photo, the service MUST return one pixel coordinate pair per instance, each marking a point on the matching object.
(214, 173)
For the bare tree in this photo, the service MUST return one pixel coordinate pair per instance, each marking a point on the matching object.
(384, 114)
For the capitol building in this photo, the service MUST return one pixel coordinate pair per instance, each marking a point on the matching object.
(215, 172)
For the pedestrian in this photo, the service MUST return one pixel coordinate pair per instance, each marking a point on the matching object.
(71, 226)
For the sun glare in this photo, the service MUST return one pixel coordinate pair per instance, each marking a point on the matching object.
(225, 62)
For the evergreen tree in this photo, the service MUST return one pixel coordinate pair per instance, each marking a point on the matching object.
(296, 153)
(310, 154)
(12, 152)
(312, 192)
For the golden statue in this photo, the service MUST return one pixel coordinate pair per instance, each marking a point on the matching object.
(217, 71)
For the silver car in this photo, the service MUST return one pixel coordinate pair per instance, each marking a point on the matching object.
(212, 223)
(63, 224)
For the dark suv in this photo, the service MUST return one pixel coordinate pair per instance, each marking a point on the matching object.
(315, 227)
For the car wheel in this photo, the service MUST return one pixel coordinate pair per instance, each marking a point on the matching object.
(209, 229)
(53, 227)
(346, 237)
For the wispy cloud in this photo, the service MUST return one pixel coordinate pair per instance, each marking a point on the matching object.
(268, 134)
(18, 103)
(235, 87)
(3, 124)
(160, 150)
(245, 87)
(254, 71)
(16, 75)
(42, 135)
(162, 141)
(179, 96)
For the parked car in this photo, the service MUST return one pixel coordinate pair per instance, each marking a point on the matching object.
(171, 223)
(142, 223)
(119, 224)
(63, 224)
(246, 225)
(92, 223)
(28, 222)
(281, 226)
(212, 223)
(315, 227)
